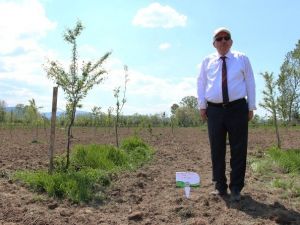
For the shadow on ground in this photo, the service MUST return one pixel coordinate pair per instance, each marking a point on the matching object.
(275, 212)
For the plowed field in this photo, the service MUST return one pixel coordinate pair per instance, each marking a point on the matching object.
(148, 195)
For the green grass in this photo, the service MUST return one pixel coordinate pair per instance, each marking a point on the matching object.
(105, 157)
(288, 160)
(90, 170)
(281, 168)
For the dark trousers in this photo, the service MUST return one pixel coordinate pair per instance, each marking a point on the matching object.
(231, 120)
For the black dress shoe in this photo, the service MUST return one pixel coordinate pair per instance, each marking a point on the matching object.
(235, 196)
(218, 192)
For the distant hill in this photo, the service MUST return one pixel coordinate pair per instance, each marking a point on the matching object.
(48, 114)
(9, 109)
(59, 113)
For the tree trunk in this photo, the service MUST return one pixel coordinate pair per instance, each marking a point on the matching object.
(70, 135)
(36, 132)
(116, 130)
(11, 123)
(68, 145)
(277, 132)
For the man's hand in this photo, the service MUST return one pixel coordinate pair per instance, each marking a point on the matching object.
(250, 115)
(203, 114)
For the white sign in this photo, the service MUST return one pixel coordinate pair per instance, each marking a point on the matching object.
(191, 179)
(187, 180)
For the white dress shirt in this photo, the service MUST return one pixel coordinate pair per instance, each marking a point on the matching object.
(240, 79)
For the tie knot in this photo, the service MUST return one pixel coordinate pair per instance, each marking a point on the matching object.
(223, 58)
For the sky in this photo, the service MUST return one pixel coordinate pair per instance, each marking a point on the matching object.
(162, 42)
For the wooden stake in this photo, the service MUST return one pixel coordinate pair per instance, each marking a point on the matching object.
(53, 123)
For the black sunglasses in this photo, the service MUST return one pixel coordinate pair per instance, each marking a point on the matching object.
(226, 38)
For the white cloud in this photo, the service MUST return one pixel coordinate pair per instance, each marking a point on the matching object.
(140, 84)
(156, 15)
(25, 22)
(21, 54)
(22, 76)
(146, 94)
(164, 46)
(21, 95)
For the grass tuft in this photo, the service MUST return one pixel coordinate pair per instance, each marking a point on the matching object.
(105, 157)
(74, 185)
(131, 143)
(137, 150)
(261, 166)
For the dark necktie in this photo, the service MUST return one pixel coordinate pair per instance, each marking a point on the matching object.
(224, 81)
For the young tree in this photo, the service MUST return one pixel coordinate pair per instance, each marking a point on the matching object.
(187, 117)
(11, 122)
(174, 108)
(75, 85)
(20, 113)
(96, 117)
(119, 105)
(108, 119)
(270, 102)
(289, 85)
(188, 113)
(33, 117)
(2, 111)
(190, 102)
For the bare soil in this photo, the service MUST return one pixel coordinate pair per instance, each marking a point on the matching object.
(147, 196)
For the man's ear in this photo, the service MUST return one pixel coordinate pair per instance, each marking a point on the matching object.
(214, 44)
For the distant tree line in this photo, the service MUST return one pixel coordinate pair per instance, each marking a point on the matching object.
(182, 114)
(22, 114)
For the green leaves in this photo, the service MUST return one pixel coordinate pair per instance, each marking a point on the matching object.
(71, 35)
(74, 84)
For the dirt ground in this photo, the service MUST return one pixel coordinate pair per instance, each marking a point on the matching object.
(147, 196)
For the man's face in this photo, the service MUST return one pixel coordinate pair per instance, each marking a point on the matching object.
(222, 43)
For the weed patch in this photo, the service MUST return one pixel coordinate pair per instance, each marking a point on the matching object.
(288, 160)
(281, 168)
(90, 170)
